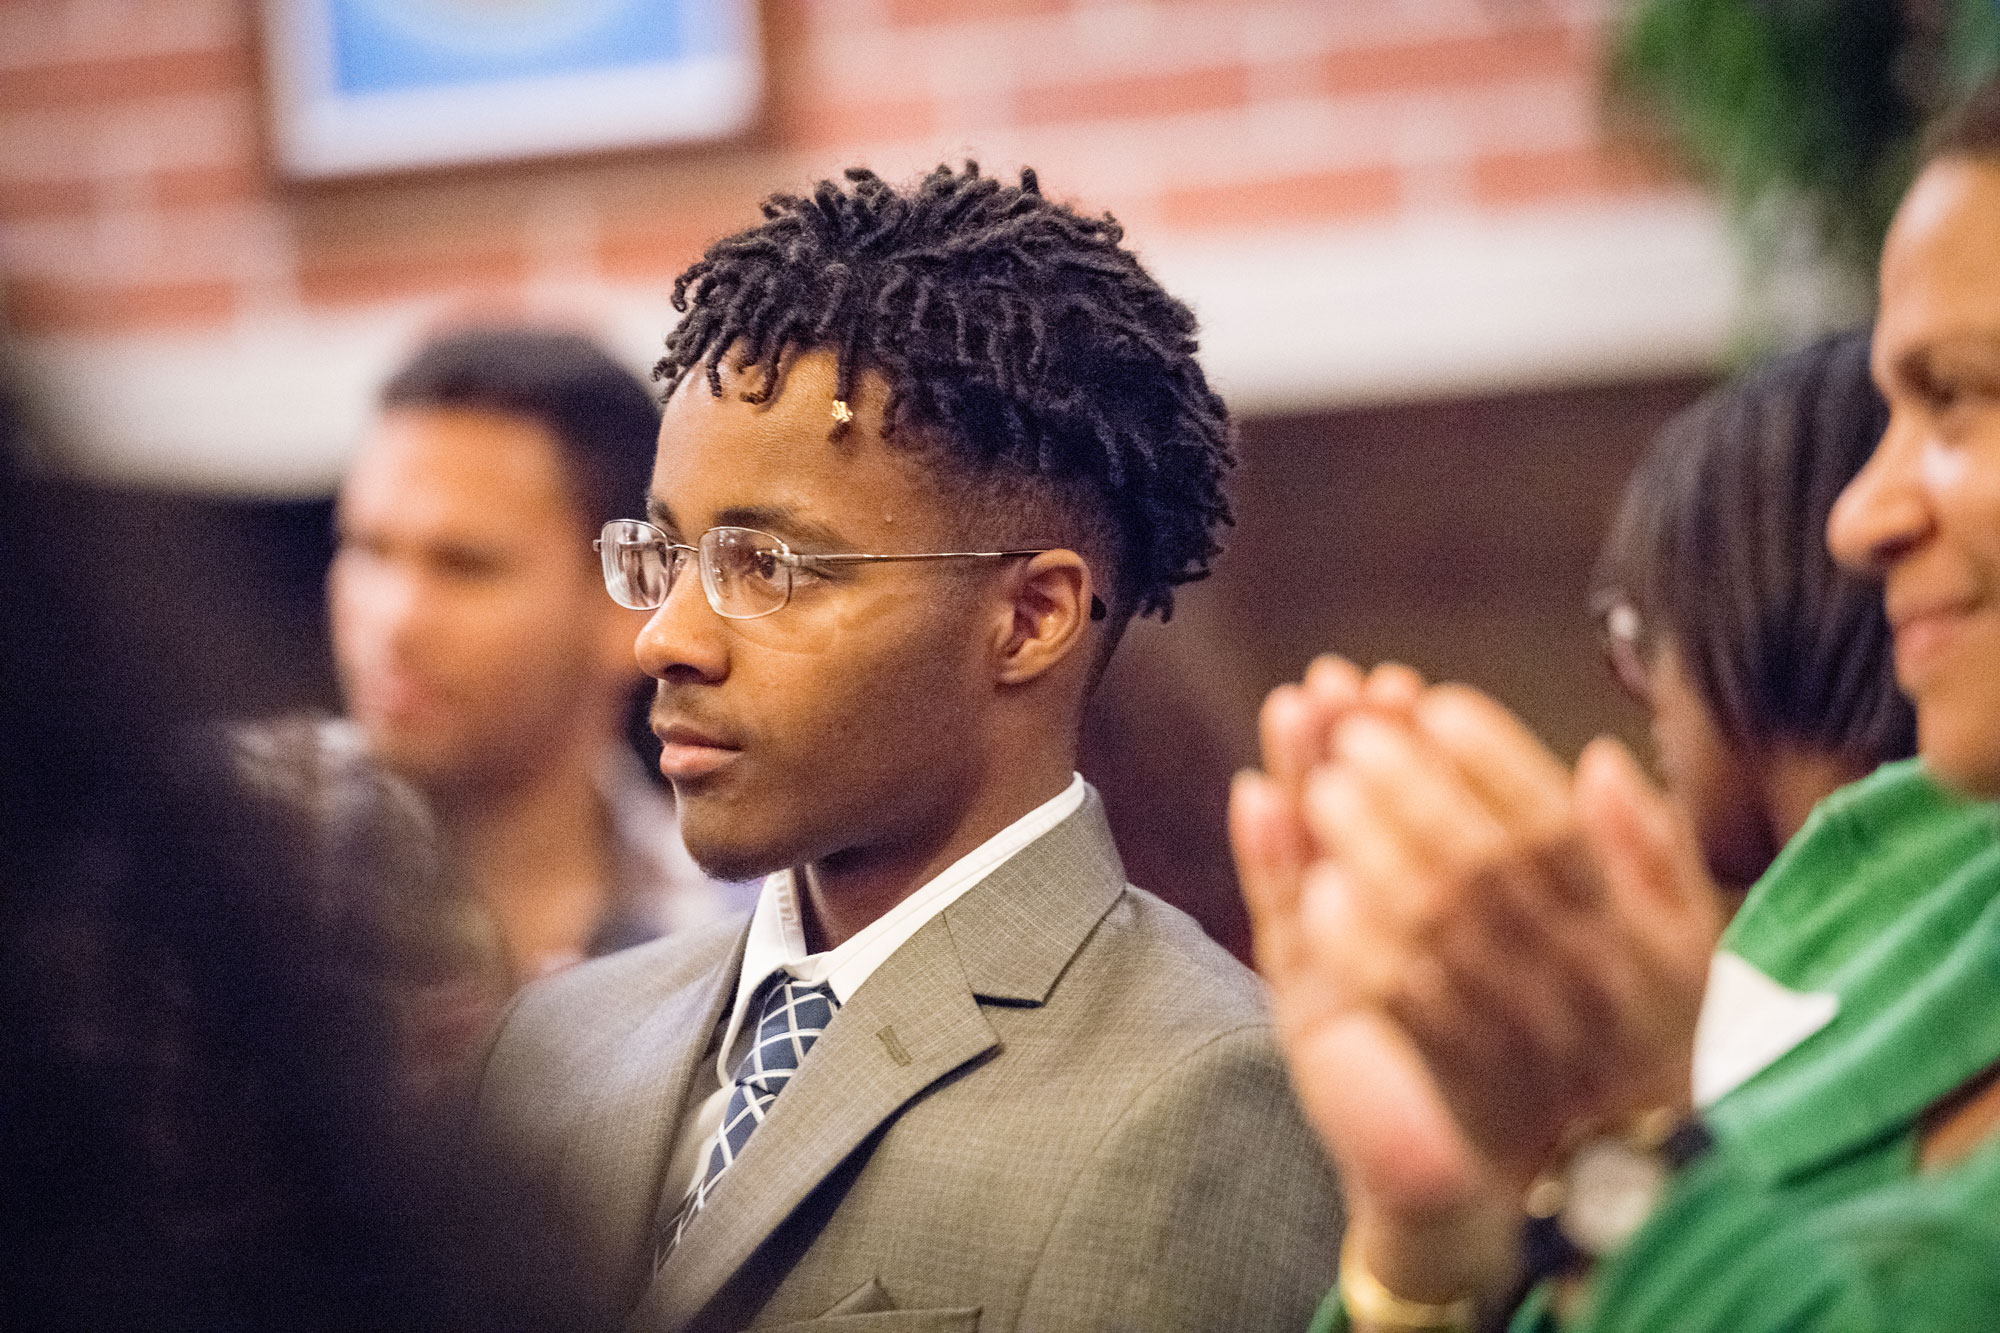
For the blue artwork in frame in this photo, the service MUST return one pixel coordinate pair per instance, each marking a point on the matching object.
(373, 85)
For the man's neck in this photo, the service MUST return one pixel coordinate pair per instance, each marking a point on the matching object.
(844, 894)
(537, 853)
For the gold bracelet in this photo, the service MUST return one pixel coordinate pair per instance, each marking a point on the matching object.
(1370, 1303)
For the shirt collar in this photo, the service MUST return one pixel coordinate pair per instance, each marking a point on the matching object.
(777, 941)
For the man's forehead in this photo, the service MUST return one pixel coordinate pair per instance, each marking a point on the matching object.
(797, 527)
(738, 459)
(475, 451)
(442, 473)
(723, 461)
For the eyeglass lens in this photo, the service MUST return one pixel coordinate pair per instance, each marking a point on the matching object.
(639, 567)
(742, 571)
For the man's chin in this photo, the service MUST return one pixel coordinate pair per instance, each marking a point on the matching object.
(737, 830)
(418, 760)
(718, 846)
(735, 864)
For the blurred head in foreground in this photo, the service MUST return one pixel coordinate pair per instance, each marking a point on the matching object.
(1924, 515)
(1764, 666)
(471, 632)
(205, 1120)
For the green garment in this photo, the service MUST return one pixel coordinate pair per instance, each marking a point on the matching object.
(1810, 1214)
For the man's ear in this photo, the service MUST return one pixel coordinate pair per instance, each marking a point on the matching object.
(1051, 604)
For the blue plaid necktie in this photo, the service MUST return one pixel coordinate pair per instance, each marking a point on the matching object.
(789, 1021)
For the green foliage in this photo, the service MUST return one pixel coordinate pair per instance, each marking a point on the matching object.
(1813, 107)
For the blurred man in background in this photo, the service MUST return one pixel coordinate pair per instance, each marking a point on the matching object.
(480, 659)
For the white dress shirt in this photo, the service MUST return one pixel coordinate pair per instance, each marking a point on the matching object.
(777, 943)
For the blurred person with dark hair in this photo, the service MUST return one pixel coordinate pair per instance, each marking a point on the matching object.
(480, 659)
(927, 450)
(1764, 666)
(1488, 971)
(203, 1119)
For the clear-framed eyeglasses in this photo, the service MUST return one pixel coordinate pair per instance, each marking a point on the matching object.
(746, 573)
(1627, 646)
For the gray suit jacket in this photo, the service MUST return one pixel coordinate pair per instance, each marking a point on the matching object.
(1058, 1106)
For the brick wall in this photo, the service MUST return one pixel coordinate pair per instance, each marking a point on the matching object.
(137, 199)
(135, 191)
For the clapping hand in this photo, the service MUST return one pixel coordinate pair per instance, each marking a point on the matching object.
(1471, 951)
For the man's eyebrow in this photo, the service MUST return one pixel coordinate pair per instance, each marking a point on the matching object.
(659, 515)
(1920, 364)
(1913, 368)
(786, 524)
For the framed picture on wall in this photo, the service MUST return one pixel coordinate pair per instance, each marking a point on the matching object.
(382, 85)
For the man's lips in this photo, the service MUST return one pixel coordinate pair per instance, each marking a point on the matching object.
(690, 752)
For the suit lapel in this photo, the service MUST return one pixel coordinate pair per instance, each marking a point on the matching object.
(619, 1152)
(914, 1021)
(1018, 931)
(888, 1043)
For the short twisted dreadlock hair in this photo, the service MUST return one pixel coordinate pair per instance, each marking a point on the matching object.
(1015, 335)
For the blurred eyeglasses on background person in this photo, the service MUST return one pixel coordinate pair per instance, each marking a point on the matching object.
(1627, 653)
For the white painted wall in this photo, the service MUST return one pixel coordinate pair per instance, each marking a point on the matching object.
(1292, 320)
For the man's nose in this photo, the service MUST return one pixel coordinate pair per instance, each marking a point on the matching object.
(1884, 511)
(685, 636)
(385, 596)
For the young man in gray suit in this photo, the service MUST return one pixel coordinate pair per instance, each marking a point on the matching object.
(927, 451)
